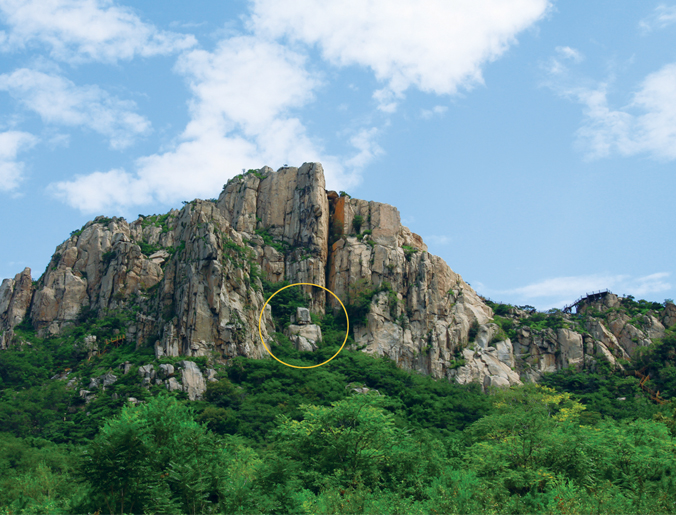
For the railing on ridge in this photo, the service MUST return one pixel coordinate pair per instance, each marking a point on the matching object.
(594, 296)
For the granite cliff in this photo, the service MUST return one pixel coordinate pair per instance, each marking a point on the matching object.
(192, 278)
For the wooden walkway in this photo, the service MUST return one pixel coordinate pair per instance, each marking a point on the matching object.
(589, 297)
(655, 396)
(116, 342)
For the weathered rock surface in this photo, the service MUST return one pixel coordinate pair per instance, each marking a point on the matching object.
(192, 379)
(485, 367)
(305, 337)
(194, 276)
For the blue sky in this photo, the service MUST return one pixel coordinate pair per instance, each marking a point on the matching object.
(532, 143)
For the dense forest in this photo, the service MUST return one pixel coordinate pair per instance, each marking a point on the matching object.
(358, 435)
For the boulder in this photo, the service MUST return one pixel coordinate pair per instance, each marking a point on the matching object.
(485, 368)
(166, 370)
(301, 317)
(173, 385)
(147, 373)
(304, 337)
(669, 315)
(192, 379)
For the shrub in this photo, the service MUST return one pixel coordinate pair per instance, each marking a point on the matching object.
(409, 251)
(357, 221)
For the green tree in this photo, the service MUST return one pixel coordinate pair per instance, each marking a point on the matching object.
(352, 441)
(156, 457)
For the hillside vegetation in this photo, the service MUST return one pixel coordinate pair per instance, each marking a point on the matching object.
(358, 435)
(135, 375)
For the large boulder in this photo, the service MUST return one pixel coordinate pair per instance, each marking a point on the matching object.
(192, 379)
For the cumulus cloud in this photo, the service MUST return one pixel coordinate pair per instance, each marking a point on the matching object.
(85, 30)
(59, 101)
(436, 46)
(560, 291)
(569, 53)
(11, 170)
(661, 17)
(240, 117)
(435, 111)
(435, 239)
(646, 125)
(368, 149)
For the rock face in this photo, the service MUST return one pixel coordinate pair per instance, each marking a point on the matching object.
(192, 379)
(194, 277)
(302, 332)
(15, 299)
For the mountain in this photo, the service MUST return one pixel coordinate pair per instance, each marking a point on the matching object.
(133, 378)
(192, 283)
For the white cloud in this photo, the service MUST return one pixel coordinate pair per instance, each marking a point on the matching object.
(368, 149)
(436, 110)
(646, 125)
(11, 170)
(567, 289)
(436, 46)
(572, 286)
(59, 101)
(569, 53)
(435, 239)
(661, 17)
(85, 30)
(240, 117)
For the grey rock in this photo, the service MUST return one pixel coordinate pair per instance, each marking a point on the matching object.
(72, 383)
(147, 373)
(301, 317)
(192, 379)
(173, 385)
(108, 378)
(304, 337)
(87, 396)
(166, 370)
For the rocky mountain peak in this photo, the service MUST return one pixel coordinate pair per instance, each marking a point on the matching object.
(191, 284)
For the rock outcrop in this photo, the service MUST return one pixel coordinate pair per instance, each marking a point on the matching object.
(194, 279)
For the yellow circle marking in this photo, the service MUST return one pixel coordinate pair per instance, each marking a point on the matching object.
(260, 317)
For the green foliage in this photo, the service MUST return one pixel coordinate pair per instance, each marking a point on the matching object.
(353, 441)
(499, 308)
(107, 257)
(180, 248)
(233, 251)
(542, 321)
(600, 392)
(156, 457)
(282, 247)
(409, 251)
(256, 173)
(343, 194)
(36, 476)
(161, 221)
(659, 361)
(361, 235)
(148, 249)
(507, 327)
(360, 295)
(640, 307)
(285, 303)
(357, 222)
(267, 438)
(473, 331)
